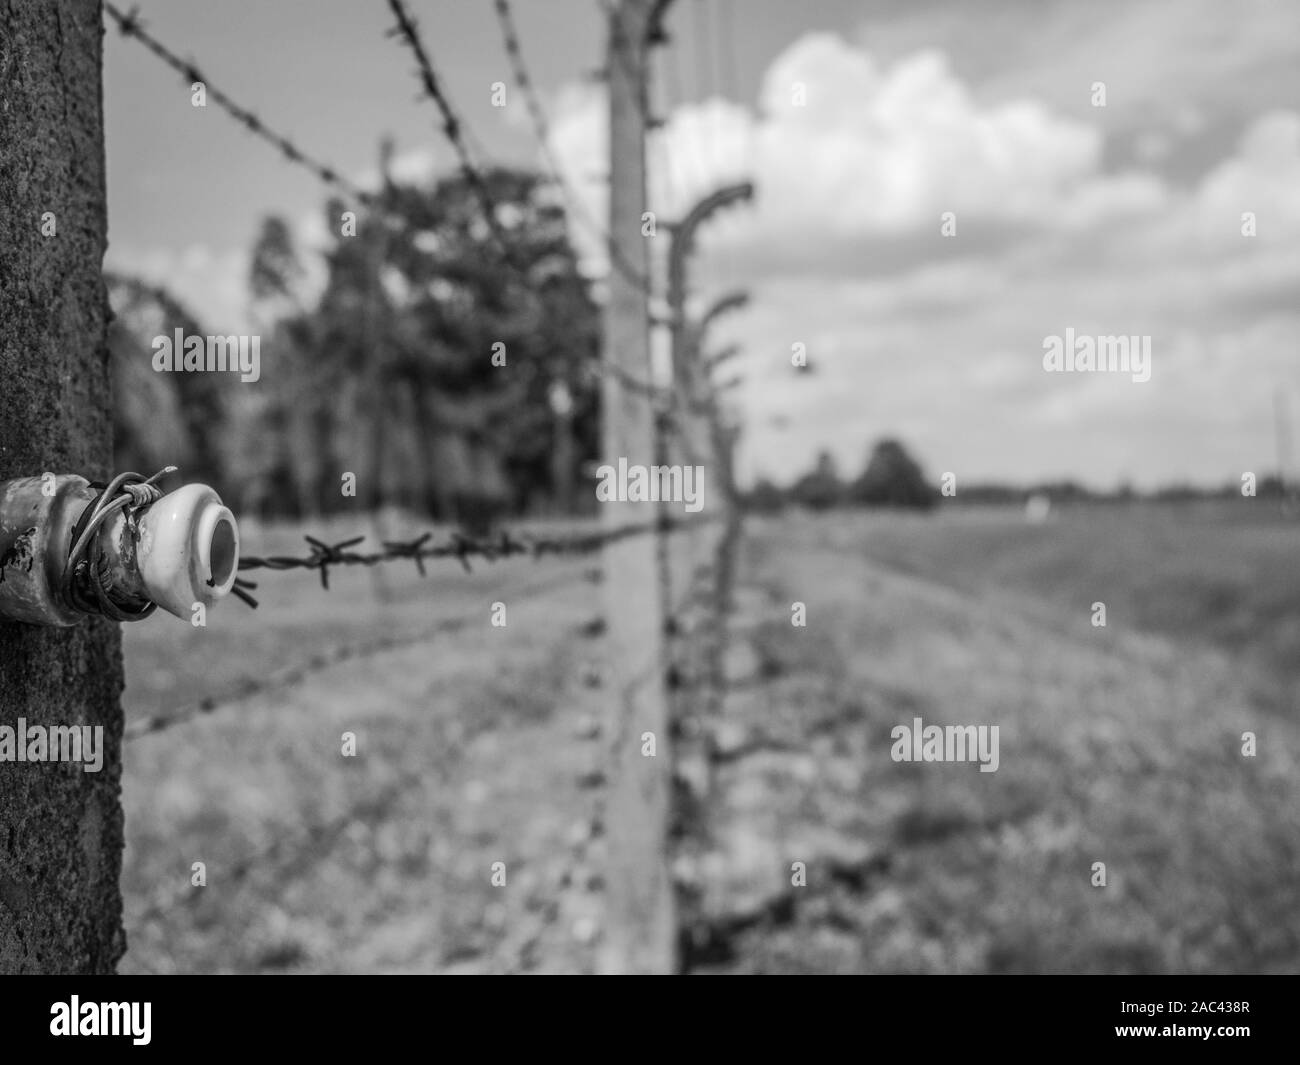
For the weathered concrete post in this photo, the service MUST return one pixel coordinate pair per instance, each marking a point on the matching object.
(641, 933)
(60, 826)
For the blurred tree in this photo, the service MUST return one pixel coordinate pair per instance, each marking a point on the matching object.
(454, 372)
(162, 419)
(821, 489)
(275, 270)
(267, 443)
(893, 478)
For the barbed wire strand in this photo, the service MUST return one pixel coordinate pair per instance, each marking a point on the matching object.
(453, 127)
(129, 24)
(542, 132)
(463, 548)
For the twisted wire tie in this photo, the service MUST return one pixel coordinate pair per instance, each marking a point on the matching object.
(87, 585)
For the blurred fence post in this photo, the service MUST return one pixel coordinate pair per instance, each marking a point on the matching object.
(640, 935)
(697, 445)
(60, 826)
(727, 545)
(723, 436)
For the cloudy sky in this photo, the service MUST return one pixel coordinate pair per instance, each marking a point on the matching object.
(862, 125)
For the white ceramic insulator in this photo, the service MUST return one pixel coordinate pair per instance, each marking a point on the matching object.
(188, 549)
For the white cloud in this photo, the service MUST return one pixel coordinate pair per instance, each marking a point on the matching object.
(863, 171)
(1263, 177)
(888, 151)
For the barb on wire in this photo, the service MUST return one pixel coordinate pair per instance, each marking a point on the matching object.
(129, 24)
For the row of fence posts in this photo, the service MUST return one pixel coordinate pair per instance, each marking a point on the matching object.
(645, 643)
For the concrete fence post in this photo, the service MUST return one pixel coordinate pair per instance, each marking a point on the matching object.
(60, 825)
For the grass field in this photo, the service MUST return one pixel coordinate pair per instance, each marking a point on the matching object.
(478, 744)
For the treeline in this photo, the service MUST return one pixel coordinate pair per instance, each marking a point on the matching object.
(1267, 487)
(447, 370)
(892, 478)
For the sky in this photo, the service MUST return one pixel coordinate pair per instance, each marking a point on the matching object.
(939, 190)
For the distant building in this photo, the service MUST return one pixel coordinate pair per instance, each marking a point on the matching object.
(1037, 508)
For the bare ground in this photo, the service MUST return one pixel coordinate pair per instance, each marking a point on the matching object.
(479, 744)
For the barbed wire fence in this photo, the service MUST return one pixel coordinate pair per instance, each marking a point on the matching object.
(700, 600)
